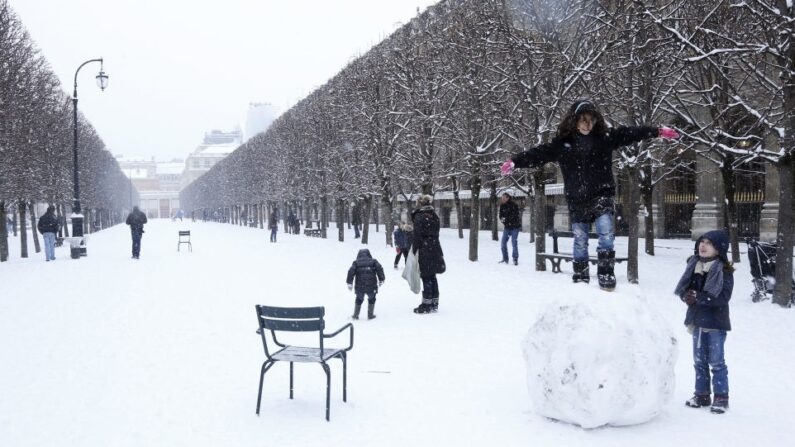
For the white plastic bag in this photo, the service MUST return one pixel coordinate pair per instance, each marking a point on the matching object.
(411, 272)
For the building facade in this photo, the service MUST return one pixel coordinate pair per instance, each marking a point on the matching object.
(215, 147)
(158, 184)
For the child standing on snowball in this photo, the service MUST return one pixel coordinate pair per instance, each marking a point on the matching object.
(706, 288)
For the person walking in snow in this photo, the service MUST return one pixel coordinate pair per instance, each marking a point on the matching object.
(273, 224)
(48, 227)
(706, 287)
(402, 234)
(136, 220)
(512, 224)
(368, 275)
(583, 149)
(356, 220)
(425, 245)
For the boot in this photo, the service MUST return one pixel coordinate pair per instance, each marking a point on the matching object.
(604, 270)
(581, 272)
(721, 404)
(435, 304)
(370, 310)
(698, 401)
(356, 311)
(426, 305)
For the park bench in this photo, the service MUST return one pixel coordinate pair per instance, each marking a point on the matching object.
(301, 319)
(312, 232)
(184, 238)
(556, 258)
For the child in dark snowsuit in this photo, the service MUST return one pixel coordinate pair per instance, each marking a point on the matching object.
(583, 148)
(369, 275)
(706, 288)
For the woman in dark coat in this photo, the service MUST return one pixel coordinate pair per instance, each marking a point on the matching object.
(425, 245)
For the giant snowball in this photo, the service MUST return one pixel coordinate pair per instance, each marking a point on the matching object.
(600, 360)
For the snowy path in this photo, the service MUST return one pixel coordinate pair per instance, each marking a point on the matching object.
(107, 351)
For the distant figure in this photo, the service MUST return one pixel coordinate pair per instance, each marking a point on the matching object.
(48, 227)
(369, 275)
(402, 242)
(9, 226)
(273, 224)
(512, 224)
(179, 215)
(356, 220)
(136, 220)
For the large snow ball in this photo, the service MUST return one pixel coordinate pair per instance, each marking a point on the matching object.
(600, 360)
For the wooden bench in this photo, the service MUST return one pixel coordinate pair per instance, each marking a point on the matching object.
(184, 238)
(301, 319)
(556, 258)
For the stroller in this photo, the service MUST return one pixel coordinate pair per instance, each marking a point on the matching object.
(762, 257)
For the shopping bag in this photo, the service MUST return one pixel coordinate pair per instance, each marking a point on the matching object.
(411, 272)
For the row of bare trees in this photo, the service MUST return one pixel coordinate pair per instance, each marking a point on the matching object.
(36, 144)
(441, 102)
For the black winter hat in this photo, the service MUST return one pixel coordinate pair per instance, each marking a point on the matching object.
(720, 240)
(582, 106)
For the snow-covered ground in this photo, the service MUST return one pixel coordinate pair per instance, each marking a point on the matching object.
(109, 351)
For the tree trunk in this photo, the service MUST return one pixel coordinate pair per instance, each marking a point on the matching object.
(631, 216)
(14, 221)
(782, 291)
(474, 220)
(389, 224)
(59, 216)
(324, 217)
(341, 220)
(3, 232)
(32, 211)
(458, 208)
(368, 201)
(647, 195)
(493, 211)
(539, 219)
(729, 188)
(65, 221)
(23, 231)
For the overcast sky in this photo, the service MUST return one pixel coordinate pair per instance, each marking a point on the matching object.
(179, 68)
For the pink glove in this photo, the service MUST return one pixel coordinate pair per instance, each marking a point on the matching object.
(668, 133)
(507, 168)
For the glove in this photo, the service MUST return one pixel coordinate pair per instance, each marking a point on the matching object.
(507, 167)
(668, 133)
(380, 283)
(690, 297)
(350, 286)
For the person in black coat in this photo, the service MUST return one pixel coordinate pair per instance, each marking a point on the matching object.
(369, 276)
(48, 227)
(512, 224)
(136, 220)
(583, 148)
(706, 287)
(425, 245)
(356, 220)
(273, 224)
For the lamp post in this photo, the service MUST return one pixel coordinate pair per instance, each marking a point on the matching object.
(77, 216)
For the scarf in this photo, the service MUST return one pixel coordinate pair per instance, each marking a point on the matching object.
(714, 283)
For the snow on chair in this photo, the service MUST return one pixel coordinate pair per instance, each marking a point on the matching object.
(184, 238)
(301, 319)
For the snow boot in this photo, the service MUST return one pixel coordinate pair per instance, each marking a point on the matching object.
(435, 304)
(698, 401)
(370, 310)
(581, 273)
(426, 305)
(604, 270)
(721, 404)
(515, 262)
(356, 311)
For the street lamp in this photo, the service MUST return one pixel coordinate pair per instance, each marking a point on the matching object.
(77, 217)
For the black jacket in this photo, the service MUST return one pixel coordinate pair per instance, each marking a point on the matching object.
(425, 242)
(366, 271)
(509, 215)
(136, 221)
(586, 164)
(48, 223)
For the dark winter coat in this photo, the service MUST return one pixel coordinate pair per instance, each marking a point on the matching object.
(136, 220)
(509, 215)
(711, 310)
(367, 272)
(586, 164)
(402, 240)
(48, 223)
(273, 222)
(356, 215)
(425, 242)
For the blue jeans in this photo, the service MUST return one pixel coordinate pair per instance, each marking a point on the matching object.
(49, 246)
(356, 233)
(273, 234)
(513, 234)
(136, 243)
(708, 354)
(605, 229)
